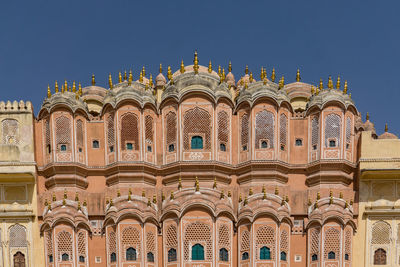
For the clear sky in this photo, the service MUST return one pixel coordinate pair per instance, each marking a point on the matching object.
(44, 41)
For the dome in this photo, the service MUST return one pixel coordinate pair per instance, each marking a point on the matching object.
(202, 69)
(94, 96)
(387, 135)
(299, 93)
(230, 79)
(160, 80)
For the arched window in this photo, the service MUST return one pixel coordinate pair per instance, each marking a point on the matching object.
(346, 257)
(264, 128)
(245, 256)
(150, 257)
(81, 258)
(222, 147)
(113, 257)
(332, 130)
(314, 257)
(50, 258)
(131, 254)
(171, 130)
(264, 144)
(197, 121)
(171, 148)
(198, 252)
(331, 255)
(95, 144)
(196, 142)
(380, 257)
(129, 132)
(65, 257)
(63, 133)
(265, 253)
(223, 255)
(129, 146)
(63, 147)
(283, 256)
(171, 255)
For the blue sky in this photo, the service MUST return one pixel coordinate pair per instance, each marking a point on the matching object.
(44, 41)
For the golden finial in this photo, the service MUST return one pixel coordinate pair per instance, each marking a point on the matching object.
(64, 202)
(154, 199)
(125, 77)
(169, 73)
(54, 197)
(223, 75)
(346, 205)
(110, 81)
(245, 85)
(69, 89)
(318, 196)
(111, 202)
(273, 75)
(321, 85)
(246, 70)
(230, 67)
(195, 63)
(172, 195)
(316, 91)
(160, 69)
(129, 197)
(209, 67)
(56, 87)
(262, 73)
(312, 90)
(250, 191)
(130, 79)
(144, 71)
(345, 87)
(309, 203)
(251, 77)
(283, 201)
(107, 200)
(219, 71)
(222, 196)
(76, 196)
(276, 190)
(162, 196)
(93, 80)
(340, 195)
(330, 83)
(148, 202)
(367, 116)
(351, 202)
(118, 193)
(62, 88)
(283, 81)
(330, 193)
(73, 87)
(46, 202)
(298, 76)
(119, 77)
(386, 127)
(197, 185)
(182, 67)
(240, 198)
(151, 80)
(49, 206)
(264, 195)
(316, 204)
(141, 77)
(180, 183)
(287, 199)
(265, 81)
(65, 86)
(263, 189)
(48, 91)
(79, 89)
(215, 183)
(130, 191)
(65, 194)
(143, 193)
(229, 193)
(331, 200)
(338, 83)
(79, 205)
(245, 201)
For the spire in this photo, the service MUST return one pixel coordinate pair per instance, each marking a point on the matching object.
(386, 127)
(195, 63)
(219, 71)
(345, 87)
(79, 89)
(246, 70)
(56, 87)
(182, 67)
(110, 81)
(144, 72)
(230, 67)
(93, 80)
(312, 90)
(223, 75)
(62, 88)
(65, 86)
(141, 76)
(298, 76)
(262, 73)
(125, 77)
(215, 183)
(119, 77)
(73, 87)
(209, 67)
(160, 69)
(48, 91)
(330, 83)
(246, 85)
(321, 85)
(276, 190)
(273, 75)
(367, 117)
(338, 83)
(251, 77)
(130, 77)
(197, 186)
(151, 80)
(169, 75)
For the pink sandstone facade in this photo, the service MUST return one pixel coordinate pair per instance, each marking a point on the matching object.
(198, 170)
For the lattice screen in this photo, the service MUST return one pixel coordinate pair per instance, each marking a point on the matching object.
(110, 130)
(82, 244)
(265, 236)
(47, 132)
(64, 244)
(171, 128)
(49, 243)
(381, 233)
(315, 131)
(79, 133)
(332, 128)
(314, 235)
(198, 232)
(332, 242)
(245, 242)
(149, 129)
(347, 243)
(283, 129)
(223, 127)
(131, 238)
(150, 242)
(129, 131)
(172, 237)
(17, 236)
(224, 238)
(265, 128)
(112, 242)
(348, 130)
(63, 131)
(10, 131)
(244, 123)
(284, 244)
(197, 121)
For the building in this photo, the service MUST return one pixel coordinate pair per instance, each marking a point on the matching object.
(199, 170)
(378, 235)
(19, 227)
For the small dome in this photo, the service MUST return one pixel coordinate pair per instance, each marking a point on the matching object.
(94, 96)
(387, 135)
(245, 79)
(160, 80)
(369, 126)
(189, 68)
(230, 79)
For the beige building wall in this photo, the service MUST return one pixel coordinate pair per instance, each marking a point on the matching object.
(19, 229)
(378, 231)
